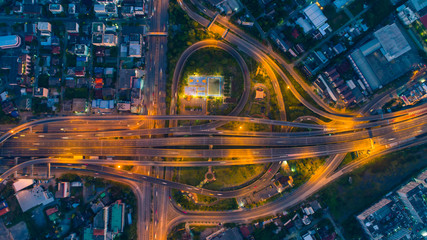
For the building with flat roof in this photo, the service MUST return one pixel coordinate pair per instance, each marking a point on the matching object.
(418, 4)
(45, 28)
(103, 36)
(28, 199)
(413, 195)
(22, 183)
(56, 8)
(384, 58)
(63, 190)
(11, 41)
(72, 27)
(370, 219)
(392, 41)
(117, 216)
(204, 86)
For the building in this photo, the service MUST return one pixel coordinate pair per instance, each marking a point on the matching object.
(44, 28)
(413, 196)
(41, 92)
(374, 61)
(72, 27)
(341, 3)
(418, 4)
(52, 213)
(406, 15)
(79, 105)
(102, 36)
(72, 9)
(81, 50)
(128, 78)
(31, 9)
(102, 104)
(11, 41)
(371, 218)
(316, 18)
(21, 184)
(105, 10)
(55, 8)
(117, 217)
(204, 86)
(24, 64)
(386, 219)
(63, 190)
(393, 43)
(28, 199)
(124, 106)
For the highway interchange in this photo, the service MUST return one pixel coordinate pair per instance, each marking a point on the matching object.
(57, 140)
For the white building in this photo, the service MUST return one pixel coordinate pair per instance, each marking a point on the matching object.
(22, 183)
(63, 190)
(44, 28)
(317, 18)
(11, 41)
(41, 92)
(28, 199)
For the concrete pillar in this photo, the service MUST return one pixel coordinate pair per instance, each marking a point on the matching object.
(32, 170)
(16, 163)
(48, 170)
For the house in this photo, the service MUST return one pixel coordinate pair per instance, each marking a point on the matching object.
(72, 9)
(31, 9)
(41, 92)
(52, 213)
(81, 50)
(45, 28)
(4, 211)
(72, 27)
(55, 8)
(125, 106)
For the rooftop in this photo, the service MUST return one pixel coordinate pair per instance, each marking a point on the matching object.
(392, 41)
(33, 197)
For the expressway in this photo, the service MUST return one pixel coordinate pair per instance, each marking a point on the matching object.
(381, 120)
(320, 179)
(33, 140)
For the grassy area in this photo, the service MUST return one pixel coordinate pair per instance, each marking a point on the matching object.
(205, 199)
(232, 176)
(192, 176)
(211, 61)
(246, 127)
(356, 7)
(335, 19)
(380, 9)
(303, 169)
(184, 202)
(369, 184)
(182, 33)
